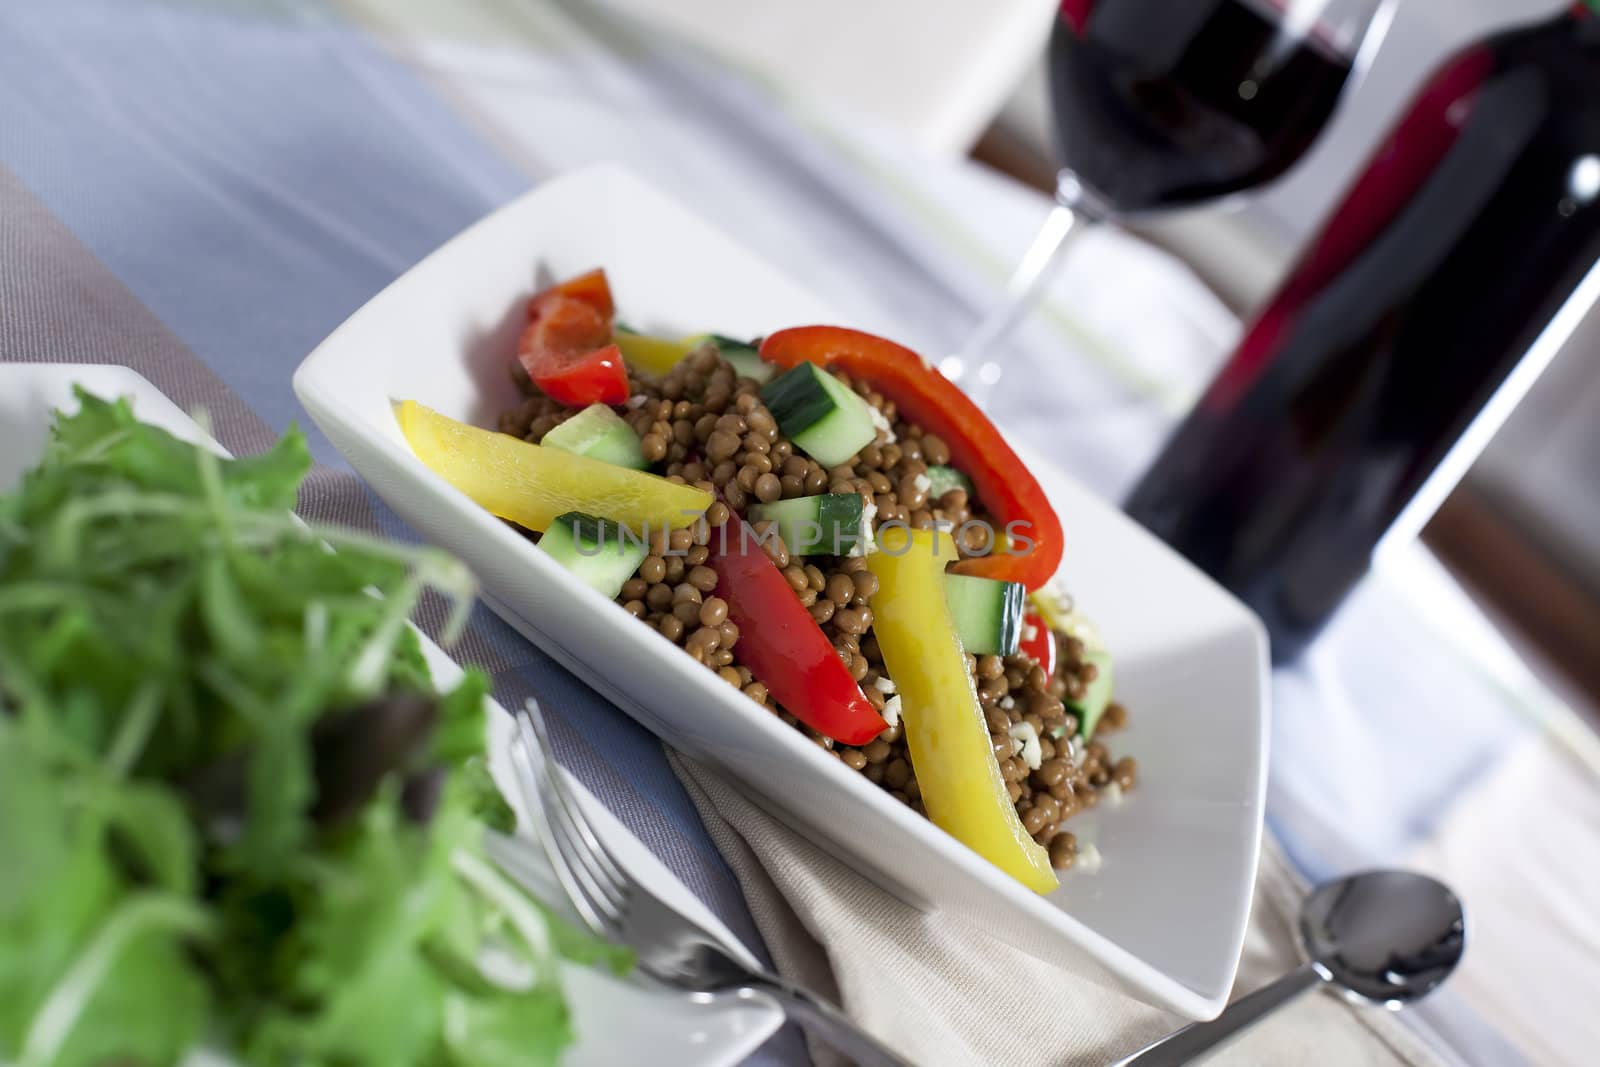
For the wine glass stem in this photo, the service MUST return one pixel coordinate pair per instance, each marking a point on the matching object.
(976, 364)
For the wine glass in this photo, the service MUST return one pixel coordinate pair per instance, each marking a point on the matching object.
(1161, 105)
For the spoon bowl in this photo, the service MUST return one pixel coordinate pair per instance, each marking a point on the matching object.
(1384, 937)
(1379, 937)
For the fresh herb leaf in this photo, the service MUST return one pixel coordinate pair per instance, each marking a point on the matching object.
(233, 808)
(92, 968)
(483, 796)
(503, 1031)
(461, 721)
(106, 438)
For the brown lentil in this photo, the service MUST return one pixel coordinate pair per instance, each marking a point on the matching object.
(713, 612)
(1115, 718)
(1063, 850)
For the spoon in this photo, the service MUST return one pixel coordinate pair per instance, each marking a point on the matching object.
(1381, 937)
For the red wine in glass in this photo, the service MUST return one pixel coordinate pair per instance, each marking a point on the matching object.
(1161, 104)
(1457, 265)
(1167, 103)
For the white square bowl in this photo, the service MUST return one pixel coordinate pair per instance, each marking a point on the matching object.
(1165, 915)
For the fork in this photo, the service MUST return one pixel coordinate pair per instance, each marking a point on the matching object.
(670, 948)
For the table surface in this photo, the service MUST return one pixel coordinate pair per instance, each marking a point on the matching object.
(204, 191)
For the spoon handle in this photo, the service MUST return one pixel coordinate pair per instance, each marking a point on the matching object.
(1200, 1039)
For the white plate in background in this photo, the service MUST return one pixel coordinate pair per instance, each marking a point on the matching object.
(616, 1021)
(1164, 917)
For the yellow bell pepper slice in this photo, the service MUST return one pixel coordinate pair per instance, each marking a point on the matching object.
(654, 354)
(532, 486)
(943, 722)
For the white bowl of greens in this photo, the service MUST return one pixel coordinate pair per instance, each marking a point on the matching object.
(236, 815)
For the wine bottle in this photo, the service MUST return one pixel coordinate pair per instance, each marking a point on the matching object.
(1454, 269)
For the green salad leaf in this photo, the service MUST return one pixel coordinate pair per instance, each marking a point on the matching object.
(233, 810)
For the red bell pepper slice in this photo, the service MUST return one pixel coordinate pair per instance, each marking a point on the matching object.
(781, 643)
(567, 351)
(591, 288)
(1005, 487)
(1041, 646)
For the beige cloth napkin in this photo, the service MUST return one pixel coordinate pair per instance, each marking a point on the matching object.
(941, 992)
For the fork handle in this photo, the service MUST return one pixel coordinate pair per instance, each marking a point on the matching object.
(826, 1021)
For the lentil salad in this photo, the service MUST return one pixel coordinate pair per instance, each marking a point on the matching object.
(714, 417)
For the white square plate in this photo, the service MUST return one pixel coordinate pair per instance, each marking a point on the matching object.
(1164, 917)
(615, 1021)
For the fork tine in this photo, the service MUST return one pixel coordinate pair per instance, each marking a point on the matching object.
(580, 838)
(599, 906)
(602, 896)
(614, 896)
(610, 868)
(575, 836)
(577, 893)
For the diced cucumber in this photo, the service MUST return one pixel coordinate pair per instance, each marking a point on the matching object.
(654, 354)
(725, 343)
(600, 552)
(819, 414)
(599, 433)
(988, 613)
(1096, 697)
(749, 364)
(943, 479)
(829, 525)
